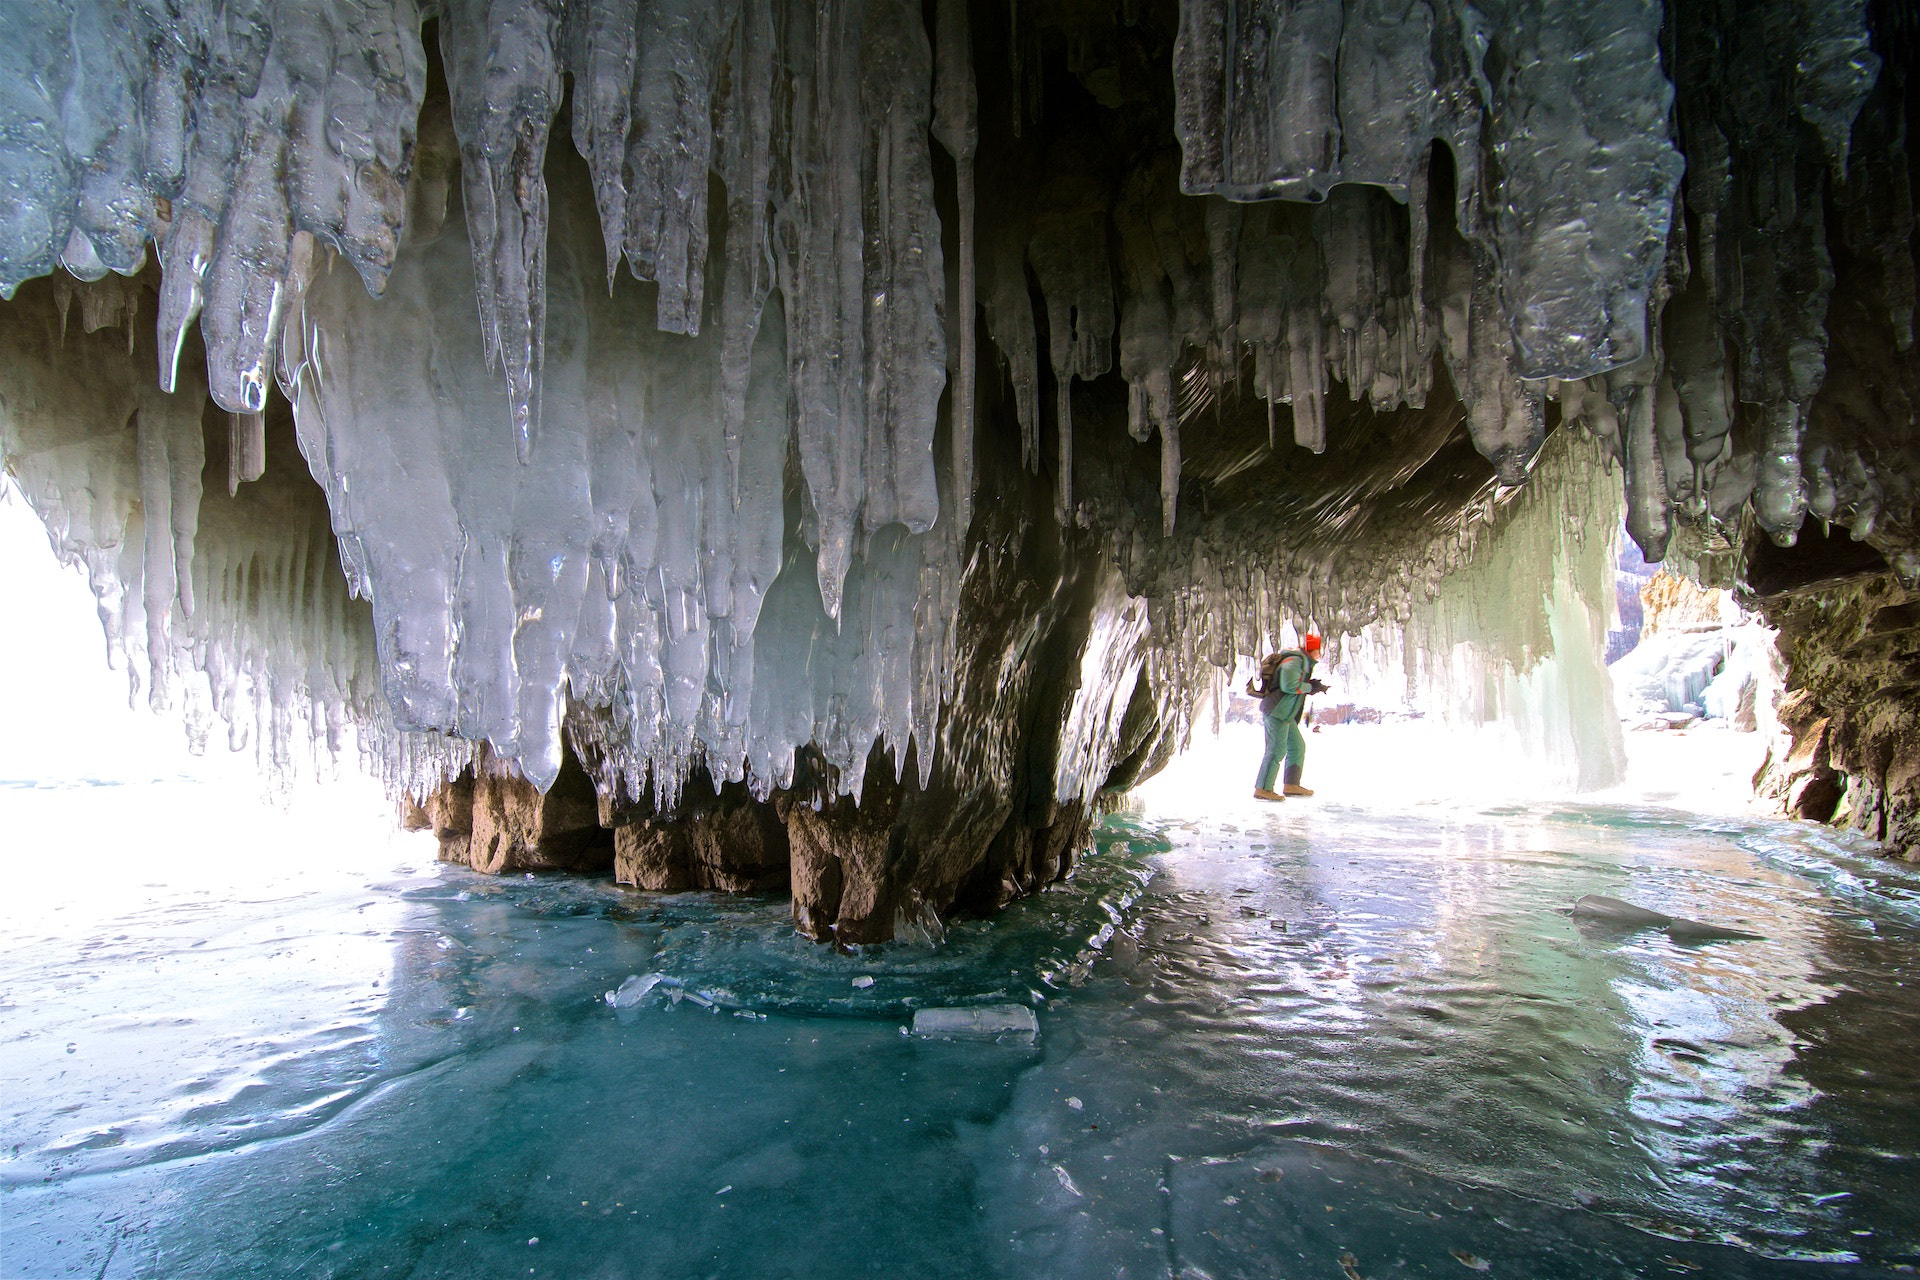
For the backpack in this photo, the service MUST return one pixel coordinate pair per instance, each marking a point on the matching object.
(1262, 684)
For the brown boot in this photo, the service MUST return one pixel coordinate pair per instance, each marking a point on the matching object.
(1261, 793)
(1295, 789)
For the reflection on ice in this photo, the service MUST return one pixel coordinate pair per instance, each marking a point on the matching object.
(1264, 1033)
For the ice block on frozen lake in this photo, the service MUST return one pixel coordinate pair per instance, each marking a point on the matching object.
(987, 1022)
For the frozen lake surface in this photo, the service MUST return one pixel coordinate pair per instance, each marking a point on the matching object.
(1319, 1039)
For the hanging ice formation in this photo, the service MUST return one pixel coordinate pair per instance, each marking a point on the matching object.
(647, 424)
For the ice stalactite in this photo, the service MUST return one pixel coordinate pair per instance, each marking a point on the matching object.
(1257, 98)
(1750, 82)
(647, 74)
(623, 561)
(297, 138)
(1578, 130)
(171, 453)
(860, 266)
(1152, 331)
(626, 552)
(1292, 99)
(225, 607)
(1009, 316)
(246, 449)
(744, 160)
(1698, 367)
(956, 123)
(504, 62)
(1636, 410)
(1068, 254)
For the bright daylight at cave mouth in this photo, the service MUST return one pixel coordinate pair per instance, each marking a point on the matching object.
(772, 638)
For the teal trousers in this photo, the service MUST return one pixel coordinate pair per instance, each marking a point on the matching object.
(1284, 742)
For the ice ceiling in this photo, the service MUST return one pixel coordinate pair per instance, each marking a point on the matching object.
(684, 420)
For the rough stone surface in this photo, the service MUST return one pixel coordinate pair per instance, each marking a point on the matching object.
(449, 813)
(1852, 715)
(729, 842)
(1670, 602)
(509, 825)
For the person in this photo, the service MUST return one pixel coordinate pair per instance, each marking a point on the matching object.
(1285, 680)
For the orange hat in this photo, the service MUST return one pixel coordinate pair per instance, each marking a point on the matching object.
(1311, 644)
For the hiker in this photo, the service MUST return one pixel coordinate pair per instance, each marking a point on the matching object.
(1285, 680)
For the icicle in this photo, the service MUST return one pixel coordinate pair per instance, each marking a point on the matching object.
(186, 459)
(1069, 259)
(1648, 506)
(1063, 477)
(1587, 171)
(170, 459)
(602, 67)
(1307, 377)
(956, 125)
(1169, 472)
(1837, 69)
(246, 449)
(1255, 100)
(1009, 309)
(821, 244)
(905, 275)
(503, 72)
(246, 282)
(1505, 418)
(184, 263)
(1223, 255)
(1779, 493)
(668, 153)
(744, 162)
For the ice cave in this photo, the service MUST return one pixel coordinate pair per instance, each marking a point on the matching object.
(780, 480)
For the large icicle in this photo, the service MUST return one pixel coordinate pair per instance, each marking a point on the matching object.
(1068, 254)
(602, 61)
(1256, 104)
(860, 267)
(171, 457)
(905, 277)
(669, 150)
(956, 123)
(503, 72)
(821, 260)
(1588, 174)
(744, 161)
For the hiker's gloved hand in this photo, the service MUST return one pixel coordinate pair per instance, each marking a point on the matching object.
(1316, 686)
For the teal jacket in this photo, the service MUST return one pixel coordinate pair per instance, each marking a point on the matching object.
(1285, 694)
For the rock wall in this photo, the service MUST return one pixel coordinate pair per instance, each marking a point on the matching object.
(1849, 753)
